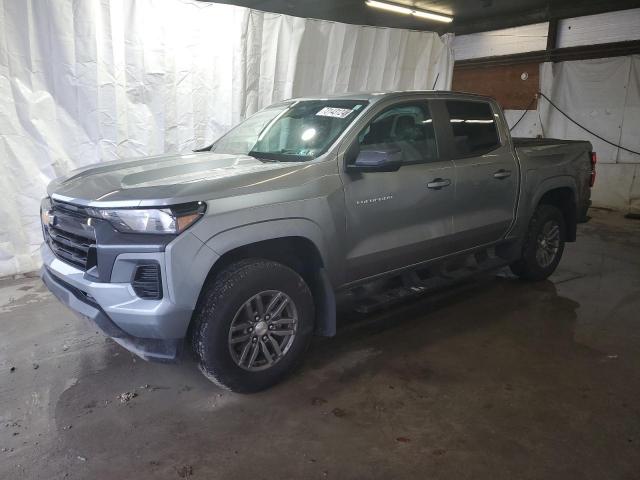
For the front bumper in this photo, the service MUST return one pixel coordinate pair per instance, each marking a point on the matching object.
(152, 329)
(147, 348)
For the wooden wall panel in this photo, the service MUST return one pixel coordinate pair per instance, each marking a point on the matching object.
(504, 83)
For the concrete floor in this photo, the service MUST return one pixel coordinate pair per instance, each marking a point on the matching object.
(496, 379)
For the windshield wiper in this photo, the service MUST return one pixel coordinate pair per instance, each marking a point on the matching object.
(260, 157)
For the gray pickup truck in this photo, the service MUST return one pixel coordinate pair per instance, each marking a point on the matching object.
(240, 249)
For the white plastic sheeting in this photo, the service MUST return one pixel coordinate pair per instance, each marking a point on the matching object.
(291, 56)
(83, 82)
(604, 96)
(528, 127)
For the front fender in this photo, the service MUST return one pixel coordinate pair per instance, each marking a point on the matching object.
(243, 235)
(320, 284)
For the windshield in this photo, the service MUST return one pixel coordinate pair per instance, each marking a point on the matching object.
(292, 131)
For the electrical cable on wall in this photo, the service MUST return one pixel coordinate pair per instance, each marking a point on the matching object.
(540, 120)
(540, 94)
(526, 110)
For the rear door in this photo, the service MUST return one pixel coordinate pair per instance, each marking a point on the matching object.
(486, 172)
(396, 219)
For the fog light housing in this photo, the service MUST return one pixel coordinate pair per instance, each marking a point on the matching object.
(147, 281)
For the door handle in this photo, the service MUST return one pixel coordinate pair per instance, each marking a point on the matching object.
(502, 174)
(439, 183)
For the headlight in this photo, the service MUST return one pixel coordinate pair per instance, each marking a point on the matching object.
(172, 220)
(45, 211)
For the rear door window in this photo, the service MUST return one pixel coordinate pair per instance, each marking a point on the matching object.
(474, 128)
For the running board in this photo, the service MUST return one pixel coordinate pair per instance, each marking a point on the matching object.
(413, 286)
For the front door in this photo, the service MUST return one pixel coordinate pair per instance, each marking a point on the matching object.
(396, 219)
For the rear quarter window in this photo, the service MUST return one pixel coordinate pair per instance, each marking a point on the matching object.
(473, 126)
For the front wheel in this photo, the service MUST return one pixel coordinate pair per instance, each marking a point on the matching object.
(253, 325)
(543, 244)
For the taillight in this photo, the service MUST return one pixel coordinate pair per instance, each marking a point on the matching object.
(594, 160)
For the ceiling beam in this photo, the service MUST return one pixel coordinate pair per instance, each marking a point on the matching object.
(470, 16)
(552, 34)
(552, 10)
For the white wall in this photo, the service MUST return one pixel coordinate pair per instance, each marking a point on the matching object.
(528, 38)
(608, 27)
(86, 81)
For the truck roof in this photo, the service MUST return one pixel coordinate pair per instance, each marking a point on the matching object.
(374, 97)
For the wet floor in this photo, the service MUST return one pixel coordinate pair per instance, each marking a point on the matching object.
(494, 379)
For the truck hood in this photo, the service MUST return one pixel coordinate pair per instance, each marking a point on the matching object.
(165, 179)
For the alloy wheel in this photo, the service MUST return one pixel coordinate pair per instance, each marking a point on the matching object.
(548, 243)
(263, 330)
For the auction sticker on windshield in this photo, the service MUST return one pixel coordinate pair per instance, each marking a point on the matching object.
(334, 112)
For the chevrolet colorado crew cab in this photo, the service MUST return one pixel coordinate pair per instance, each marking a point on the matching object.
(239, 249)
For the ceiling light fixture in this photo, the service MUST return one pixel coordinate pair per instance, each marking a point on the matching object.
(394, 7)
(432, 16)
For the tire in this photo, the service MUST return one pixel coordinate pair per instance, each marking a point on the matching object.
(533, 264)
(229, 301)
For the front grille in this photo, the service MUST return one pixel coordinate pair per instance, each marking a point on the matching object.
(70, 235)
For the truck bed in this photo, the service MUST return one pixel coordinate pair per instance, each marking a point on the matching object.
(539, 142)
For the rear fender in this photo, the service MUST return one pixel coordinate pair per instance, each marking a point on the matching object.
(564, 181)
(533, 192)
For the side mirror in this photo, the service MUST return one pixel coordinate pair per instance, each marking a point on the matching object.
(384, 159)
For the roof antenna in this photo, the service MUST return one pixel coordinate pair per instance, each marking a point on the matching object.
(436, 81)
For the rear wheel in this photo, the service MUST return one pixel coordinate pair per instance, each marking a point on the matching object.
(543, 244)
(253, 325)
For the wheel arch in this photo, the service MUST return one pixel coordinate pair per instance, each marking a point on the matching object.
(297, 243)
(560, 192)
